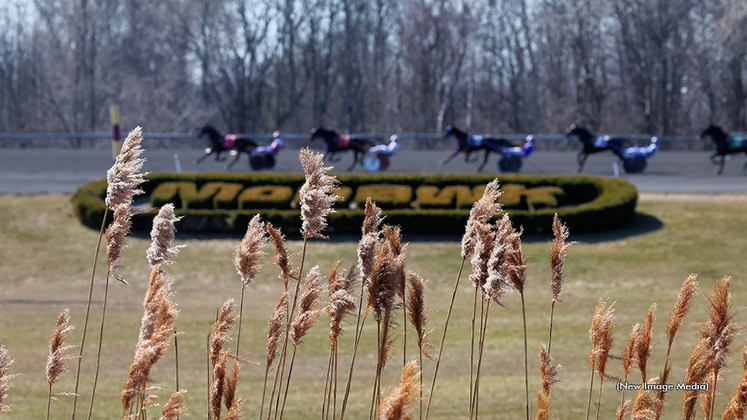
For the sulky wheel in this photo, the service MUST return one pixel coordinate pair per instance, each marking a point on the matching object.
(509, 163)
(263, 161)
(372, 163)
(634, 164)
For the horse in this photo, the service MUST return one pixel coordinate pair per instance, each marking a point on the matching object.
(221, 143)
(468, 143)
(726, 144)
(633, 157)
(335, 143)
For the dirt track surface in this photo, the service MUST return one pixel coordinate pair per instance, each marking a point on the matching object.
(36, 171)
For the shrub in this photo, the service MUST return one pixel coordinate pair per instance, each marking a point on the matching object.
(266, 197)
(449, 197)
(389, 196)
(441, 201)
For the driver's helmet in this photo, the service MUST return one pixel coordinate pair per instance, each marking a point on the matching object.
(276, 134)
(394, 138)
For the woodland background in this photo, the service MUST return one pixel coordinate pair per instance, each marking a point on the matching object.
(663, 67)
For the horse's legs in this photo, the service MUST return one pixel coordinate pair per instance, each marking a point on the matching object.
(208, 152)
(484, 161)
(355, 160)
(713, 158)
(581, 160)
(721, 165)
(234, 160)
(448, 159)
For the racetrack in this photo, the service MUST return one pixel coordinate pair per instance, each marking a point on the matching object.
(35, 171)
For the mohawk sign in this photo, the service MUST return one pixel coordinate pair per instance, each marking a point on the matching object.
(421, 204)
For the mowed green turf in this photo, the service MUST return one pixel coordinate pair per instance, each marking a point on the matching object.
(45, 258)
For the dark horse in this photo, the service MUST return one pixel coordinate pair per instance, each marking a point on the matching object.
(632, 156)
(726, 144)
(335, 143)
(220, 143)
(469, 143)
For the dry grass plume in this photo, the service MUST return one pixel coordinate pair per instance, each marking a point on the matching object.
(398, 405)
(162, 235)
(173, 407)
(316, 196)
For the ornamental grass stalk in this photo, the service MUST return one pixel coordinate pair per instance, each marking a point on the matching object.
(366, 259)
(698, 369)
(382, 291)
(218, 384)
(600, 334)
(173, 407)
(398, 405)
(274, 332)
(514, 268)
(549, 378)
(306, 318)
(558, 251)
(643, 347)
(644, 405)
(123, 180)
(246, 259)
(681, 308)
(341, 304)
(5, 378)
(628, 355)
(156, 331)
(162, 235)
(219, 332)
(482, 211)
(419, 315)
(56, 358)
(718, 332)
(315, 199)
(737, 406)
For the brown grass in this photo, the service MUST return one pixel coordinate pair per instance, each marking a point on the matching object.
(499, 261)
(398, 405)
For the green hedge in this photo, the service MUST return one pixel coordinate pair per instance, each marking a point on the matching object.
(421, 204)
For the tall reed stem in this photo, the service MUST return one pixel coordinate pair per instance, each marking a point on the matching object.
(713, 400)
(599, 399)
(358, 332)
(287, 385)
(176, 362)
(420, 400)
(287, 331)
(443, 338)
(661, 382)
(472, 354)
(88, 311)
(327, 386)
(552, 313)
(49, 402)
(101, 338)
(241, 315)
(264, 392)
(481, 345)
(591, 387)
(526, 353)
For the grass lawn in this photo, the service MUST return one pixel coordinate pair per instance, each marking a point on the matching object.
(45, 257)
